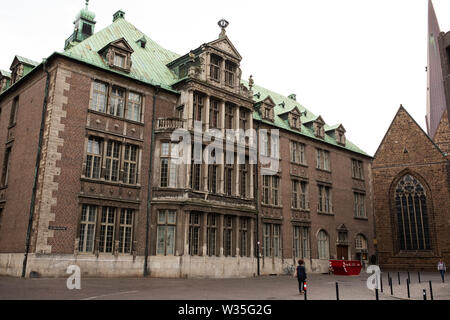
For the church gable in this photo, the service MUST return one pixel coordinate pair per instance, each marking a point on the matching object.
(405, 143)
(442, 136)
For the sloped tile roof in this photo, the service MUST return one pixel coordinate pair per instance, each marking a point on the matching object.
(149, 63)
(290, 104)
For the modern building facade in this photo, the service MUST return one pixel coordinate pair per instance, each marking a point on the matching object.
(411, 174)
(92, 174)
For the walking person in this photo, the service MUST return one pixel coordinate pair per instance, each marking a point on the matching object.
(442, 268)
(300, 273)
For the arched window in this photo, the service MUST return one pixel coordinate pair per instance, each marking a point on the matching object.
(323, 245)
(412, 215)
(360, 242)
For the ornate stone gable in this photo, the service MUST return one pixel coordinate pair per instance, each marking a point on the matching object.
(226, 46)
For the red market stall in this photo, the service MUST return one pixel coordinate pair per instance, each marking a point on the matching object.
(345, 267)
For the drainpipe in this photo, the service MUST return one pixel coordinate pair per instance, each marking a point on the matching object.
(150, 182)
(258, 204)
(36, 171)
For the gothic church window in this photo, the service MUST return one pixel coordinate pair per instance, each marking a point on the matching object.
(412, 215)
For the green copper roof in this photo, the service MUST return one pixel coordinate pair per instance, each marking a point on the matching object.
(27, 61)
(290, 104)
(85, 14)
(149, 63)
(4, 73)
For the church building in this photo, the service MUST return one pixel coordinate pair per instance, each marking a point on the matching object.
(411, 173)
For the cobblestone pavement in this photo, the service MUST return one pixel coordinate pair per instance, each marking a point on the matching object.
(320, 287)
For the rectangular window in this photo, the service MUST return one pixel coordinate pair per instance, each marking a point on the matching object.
(243, 119)
(300, 195)
(117, 102)
(215, 67)
(244, 237)
(325, 203)
(276, 240)
(196, 177)
(194, 234)
(298, 152)
(229, 179)
(99, 96)
(212, 177)
(107, 226)
(230, 70)
(87, 229)
(266, 188)
(244, 181)
(360, 205)
(126, 230)
(323, 159)
(228, 236)
(275, 190)
(357, 169)
(272, 240)
(214, 114)
(130, 164)
(297, 242)
(134, 110)
(229, 116)
(198, 107)
(119, 60)
(169, 167)
(6, 166)
(304, 195)
(301, 242)
(112, 160)
(211, 235)
(93, 158)
(13, 114)
(267, 240)
(305, 242)
(166, 232)
(295, 199)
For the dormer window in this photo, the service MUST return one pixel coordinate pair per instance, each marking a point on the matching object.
(266, 109)
(117, 55)
(215, 67)
(119, 60)
(230, 71)
(340, 137)
(319, 130)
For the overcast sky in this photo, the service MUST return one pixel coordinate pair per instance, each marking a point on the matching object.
(352, 61)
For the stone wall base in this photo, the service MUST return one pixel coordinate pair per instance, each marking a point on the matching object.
(105, 266)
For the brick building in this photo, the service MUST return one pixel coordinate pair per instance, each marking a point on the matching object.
(411, 174)
(88, 130)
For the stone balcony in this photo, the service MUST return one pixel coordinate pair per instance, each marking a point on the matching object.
(168, 124)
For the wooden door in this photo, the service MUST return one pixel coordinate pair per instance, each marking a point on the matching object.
(342, 252)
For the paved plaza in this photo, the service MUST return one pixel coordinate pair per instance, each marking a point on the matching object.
(320, 287)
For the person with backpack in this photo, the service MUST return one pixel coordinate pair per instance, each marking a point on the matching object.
(300, 273)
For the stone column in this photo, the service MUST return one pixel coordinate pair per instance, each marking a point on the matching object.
(221, 187)
(206, 113)
(190, 109)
